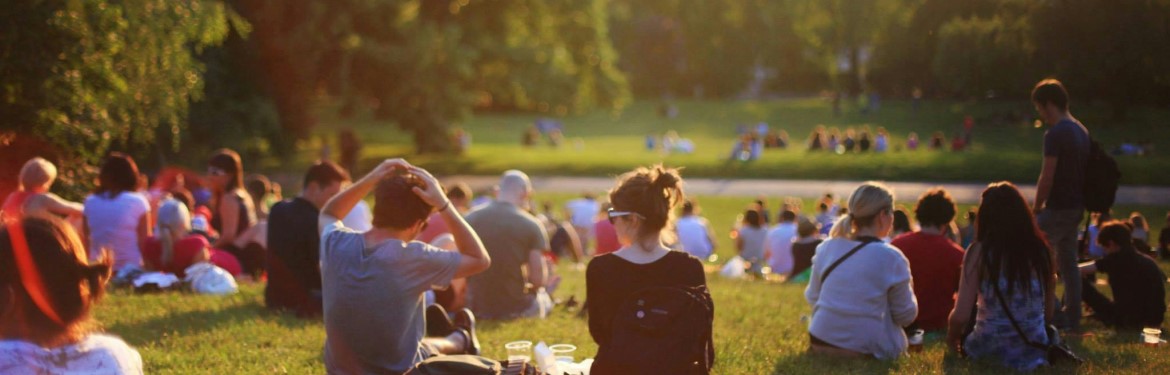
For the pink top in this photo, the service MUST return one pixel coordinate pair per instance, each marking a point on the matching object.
(436, 226)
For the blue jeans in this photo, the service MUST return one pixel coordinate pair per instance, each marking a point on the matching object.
(1061, 228)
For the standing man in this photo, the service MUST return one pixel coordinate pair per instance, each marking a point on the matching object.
(373, 282)
(516, 242)
(294, 278)
(1059, 203)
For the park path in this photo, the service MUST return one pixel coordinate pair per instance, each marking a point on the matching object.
(963, 193)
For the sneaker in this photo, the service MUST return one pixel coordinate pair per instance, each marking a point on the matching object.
(438, 322)
(465, 323)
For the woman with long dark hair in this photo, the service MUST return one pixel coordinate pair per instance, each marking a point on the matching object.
(1009, 267)
(232, 210)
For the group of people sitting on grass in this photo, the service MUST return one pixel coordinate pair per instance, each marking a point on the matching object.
(370, 285)
(648, 307)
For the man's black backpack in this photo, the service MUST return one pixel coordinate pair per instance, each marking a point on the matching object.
(1101, 179)
(664, 330)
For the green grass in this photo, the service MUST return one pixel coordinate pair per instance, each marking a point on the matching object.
(758, 329)
(613, 142)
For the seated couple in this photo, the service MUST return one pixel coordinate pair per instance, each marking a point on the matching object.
(373, 282)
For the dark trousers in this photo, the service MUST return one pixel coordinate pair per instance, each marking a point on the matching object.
(1103, 308)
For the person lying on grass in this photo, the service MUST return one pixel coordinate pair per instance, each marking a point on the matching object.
(372, 283)
(47, 290)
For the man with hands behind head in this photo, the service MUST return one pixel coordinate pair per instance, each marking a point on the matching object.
(373, 282)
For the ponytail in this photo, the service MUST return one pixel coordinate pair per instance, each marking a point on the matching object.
(865, 204)
(843, 227)
(168, 246)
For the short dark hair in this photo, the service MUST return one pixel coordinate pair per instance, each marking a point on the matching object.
(258, 186)
(787, 215)
(688, 207)
(752, 218)
(935, 208)
(460, 190)
(119, 173)
(395, 204)
(1117, 232)
(324, 173)
(1050, 91)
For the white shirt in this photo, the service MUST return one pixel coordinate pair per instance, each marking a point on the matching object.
(779, 243)
(359, 218)
(96, 354)
(692, 235)
(113, 225)
(866, 300)
(582, 211)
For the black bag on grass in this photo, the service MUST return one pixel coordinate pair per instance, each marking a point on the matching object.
(457, 364)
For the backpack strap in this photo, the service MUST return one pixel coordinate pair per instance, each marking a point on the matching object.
(842, 259)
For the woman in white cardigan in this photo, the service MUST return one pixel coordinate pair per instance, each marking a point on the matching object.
(860, 304)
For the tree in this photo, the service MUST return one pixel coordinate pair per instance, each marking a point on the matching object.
(427, 64)
(87, 76)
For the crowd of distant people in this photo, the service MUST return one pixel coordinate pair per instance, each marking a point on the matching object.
(404, 282)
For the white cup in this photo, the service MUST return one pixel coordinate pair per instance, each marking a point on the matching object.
(1151, 336)
(519, 351)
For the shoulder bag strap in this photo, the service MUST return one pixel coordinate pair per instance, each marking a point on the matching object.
(842, 259)
(1003, 305)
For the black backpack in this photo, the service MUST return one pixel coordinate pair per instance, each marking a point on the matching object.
(664, 330)
(1101, 179)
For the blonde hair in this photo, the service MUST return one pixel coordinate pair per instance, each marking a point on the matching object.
(173, 219)
(865, 204)
(37, 172)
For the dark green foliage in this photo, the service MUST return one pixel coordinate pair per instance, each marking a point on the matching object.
(88, 76)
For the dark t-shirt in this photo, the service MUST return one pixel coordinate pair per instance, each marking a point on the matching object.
(1138, 287)
(508, 234)
(935, 263)
(1068, 141)
(802, 254)
(610, 280)
(294, 275)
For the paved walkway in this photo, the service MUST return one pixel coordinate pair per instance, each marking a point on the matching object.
(905, 191)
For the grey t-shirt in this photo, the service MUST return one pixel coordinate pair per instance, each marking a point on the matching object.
(373, 299)
(509, 234)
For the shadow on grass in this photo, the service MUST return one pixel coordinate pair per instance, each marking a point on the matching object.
(809, 363)
(186, 323)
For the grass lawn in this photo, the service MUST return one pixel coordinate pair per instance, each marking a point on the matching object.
(758, 328)
(611, 142)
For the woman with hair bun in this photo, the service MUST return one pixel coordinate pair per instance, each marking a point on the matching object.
(47, 290)
(860, 289)
(643, 203)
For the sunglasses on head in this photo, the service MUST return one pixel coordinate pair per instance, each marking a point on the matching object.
(613, 215)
